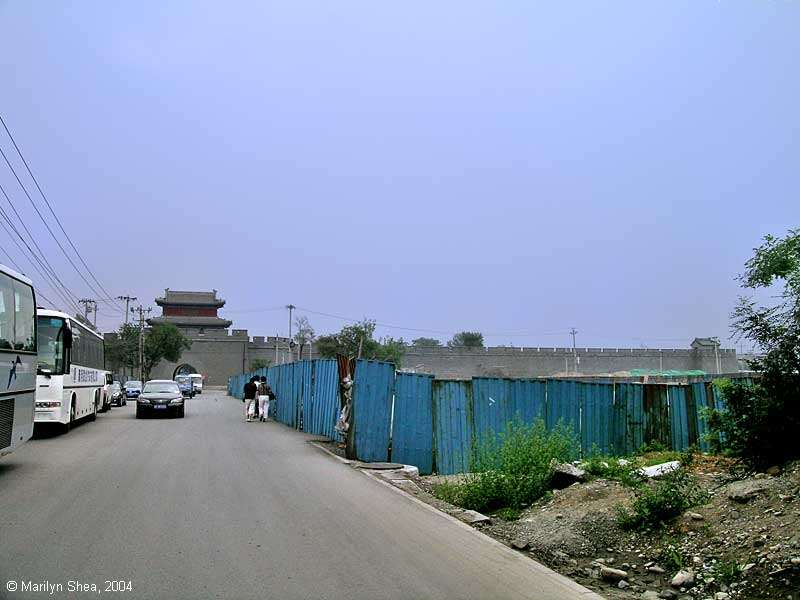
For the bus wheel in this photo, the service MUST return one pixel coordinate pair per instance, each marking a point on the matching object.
(68, 425)
(93, 416)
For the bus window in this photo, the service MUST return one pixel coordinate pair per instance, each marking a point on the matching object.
(24, 319)
(6, 313)
(52, 335)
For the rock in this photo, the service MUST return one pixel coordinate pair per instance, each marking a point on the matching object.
(696, 516)
(565, 474)
(668, 595)
(682, 579)
(649, 595)
(662, 469)
(744, 491)
(795, 561)
(774, 470)
(747, 567)
(622, 584)
(655, 569)
(613, 575)
(520, 544)
(721, 596)
(473, 517)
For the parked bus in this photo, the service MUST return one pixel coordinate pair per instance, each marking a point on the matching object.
(17, 359)
(71, 380)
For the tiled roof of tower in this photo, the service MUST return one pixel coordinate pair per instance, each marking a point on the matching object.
(190, 298)
(191, 321)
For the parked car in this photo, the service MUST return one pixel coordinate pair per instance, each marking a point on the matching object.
(186, 385)
(116, 394)
(197, 380)
(132, 389)
(160, 396)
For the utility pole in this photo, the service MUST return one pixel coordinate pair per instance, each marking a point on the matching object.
(141, 310)
(574, 332)
(89, 305)
(128, 300)
(291, 307)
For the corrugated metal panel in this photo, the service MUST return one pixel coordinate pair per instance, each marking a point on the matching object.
(412, 422)
(326, 398)
(528, 400)
(304, 410)
(452, 426)
(701, 404)
(492, 407)
(678, 417)
(372, 409)
(597, 417)
(563, 405)
(656, 415)
(629, 417)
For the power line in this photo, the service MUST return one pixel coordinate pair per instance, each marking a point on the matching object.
(48, 274)
(47, 226)
(52, 212)
(13, 262)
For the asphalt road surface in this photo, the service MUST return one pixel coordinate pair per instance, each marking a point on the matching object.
(212, 507)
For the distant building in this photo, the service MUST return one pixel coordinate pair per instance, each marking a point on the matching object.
(193, 312)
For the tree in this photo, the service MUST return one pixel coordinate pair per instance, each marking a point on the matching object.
(762, 421)
(122, 351)
(259, 363)
(163, 342)
(467, 339)
(358, 340)
(426, 342)
(304, 335)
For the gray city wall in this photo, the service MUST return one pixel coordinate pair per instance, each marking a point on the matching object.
(222, 354)
(452, 363)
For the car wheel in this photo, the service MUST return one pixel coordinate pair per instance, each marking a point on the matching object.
(138, 413)
(180, 412)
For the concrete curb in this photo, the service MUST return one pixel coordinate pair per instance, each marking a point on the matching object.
(580, 591)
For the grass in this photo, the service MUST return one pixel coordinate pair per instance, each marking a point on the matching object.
(508, 514)
(512, 470)
(672, 557)
(727, 571)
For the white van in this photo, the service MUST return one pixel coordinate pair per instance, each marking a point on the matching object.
(197, 381)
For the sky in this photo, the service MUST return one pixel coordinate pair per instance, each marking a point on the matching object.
(516, 168)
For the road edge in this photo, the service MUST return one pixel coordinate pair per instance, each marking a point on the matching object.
(581, 591)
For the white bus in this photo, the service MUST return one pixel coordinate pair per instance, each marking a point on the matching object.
(17, 359)
(71, 381)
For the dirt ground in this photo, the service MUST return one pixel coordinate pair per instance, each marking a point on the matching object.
(744, 543)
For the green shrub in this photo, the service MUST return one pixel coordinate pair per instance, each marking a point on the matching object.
(661, 501)
(762, 420)
(671, 557)
(512, 469)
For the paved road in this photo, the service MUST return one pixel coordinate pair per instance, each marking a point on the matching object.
(212, 507)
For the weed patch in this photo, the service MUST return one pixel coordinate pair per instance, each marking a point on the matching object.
(661, 501)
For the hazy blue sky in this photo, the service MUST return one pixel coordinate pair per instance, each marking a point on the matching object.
(517, 168)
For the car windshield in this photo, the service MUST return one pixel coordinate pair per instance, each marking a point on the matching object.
(160, 387)
(182, 379)
(133, 384)
(115, 387)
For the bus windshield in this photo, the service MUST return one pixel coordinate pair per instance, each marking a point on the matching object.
(51, 344)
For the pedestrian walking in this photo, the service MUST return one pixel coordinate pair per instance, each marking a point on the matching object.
(250, 391)
(264, 396)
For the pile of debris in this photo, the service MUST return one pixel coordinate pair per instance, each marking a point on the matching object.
(744, 543)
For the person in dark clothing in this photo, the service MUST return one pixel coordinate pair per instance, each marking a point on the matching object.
(250, 392)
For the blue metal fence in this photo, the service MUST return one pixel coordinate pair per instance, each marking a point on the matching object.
(436, 425)
(412, 421)
(372, 409)
(452, 401)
